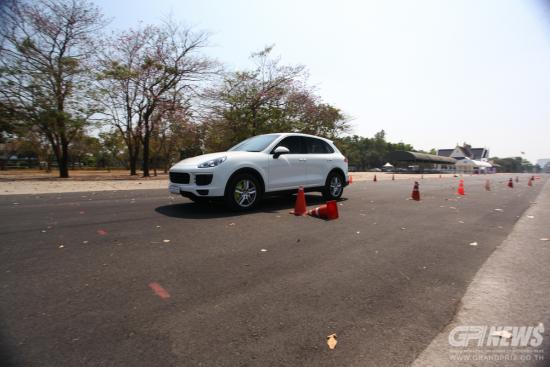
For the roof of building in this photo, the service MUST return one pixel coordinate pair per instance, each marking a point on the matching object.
(467, 151)
(479, 153)
(445, 152)
(404, 156)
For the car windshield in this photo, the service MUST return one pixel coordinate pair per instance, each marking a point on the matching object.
(255, 144)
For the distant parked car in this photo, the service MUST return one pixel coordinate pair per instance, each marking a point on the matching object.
(375, 170)
(271, 163)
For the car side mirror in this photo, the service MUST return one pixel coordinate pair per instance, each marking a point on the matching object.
(280, 150)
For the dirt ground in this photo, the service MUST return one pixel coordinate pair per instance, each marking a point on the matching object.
(76, 175)
(14, 182)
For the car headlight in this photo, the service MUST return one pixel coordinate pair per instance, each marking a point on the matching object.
(212, 163)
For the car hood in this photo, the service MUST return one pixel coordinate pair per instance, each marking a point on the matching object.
(195, 161)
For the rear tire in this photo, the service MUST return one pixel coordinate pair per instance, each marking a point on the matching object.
(334, 186)
(243, 192)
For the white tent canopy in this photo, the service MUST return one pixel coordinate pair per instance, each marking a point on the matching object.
(388, 164)
(473, 163)
(482, 164)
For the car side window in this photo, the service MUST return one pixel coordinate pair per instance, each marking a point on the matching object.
(317, 146)
(328, 148)
(293, 143)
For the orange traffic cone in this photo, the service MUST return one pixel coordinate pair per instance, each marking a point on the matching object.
(440, 175)
(530, 183)
(393, 177)
(375, 179)
(328, 211)
(517, 179)
(460, 190)
(488, 185)
(416, 192)
(300, 206)
(350, 179)
(511, 183)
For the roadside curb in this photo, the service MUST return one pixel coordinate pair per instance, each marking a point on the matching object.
(510, 289)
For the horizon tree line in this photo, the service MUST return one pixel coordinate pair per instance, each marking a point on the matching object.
(146, 96)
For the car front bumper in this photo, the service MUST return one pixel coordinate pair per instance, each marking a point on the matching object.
(197, 185)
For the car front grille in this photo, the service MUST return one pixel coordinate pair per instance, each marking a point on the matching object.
(203, 180)
(179, 177)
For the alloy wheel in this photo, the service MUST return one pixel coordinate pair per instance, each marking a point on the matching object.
(245, 193)
(335, 186)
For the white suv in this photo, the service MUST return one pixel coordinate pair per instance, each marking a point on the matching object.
(263, 164)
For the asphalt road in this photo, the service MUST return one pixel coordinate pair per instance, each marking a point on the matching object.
(144, 278)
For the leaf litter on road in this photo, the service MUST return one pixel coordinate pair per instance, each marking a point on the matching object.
(331, 341)
(159, 290)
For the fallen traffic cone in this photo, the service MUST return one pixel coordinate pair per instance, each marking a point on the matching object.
(328, 211)
(350, 179)
(488, 185)
(375, 179)
(416, 192)
(300, 206)
(511, 183)
(460, 190)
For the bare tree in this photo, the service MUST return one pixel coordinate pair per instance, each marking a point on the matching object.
(173, 67)
(151, 67)
(119, 80)
(44, 70)
(176, 135)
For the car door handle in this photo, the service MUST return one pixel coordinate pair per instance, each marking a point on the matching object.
(302, 159)
(329, 160)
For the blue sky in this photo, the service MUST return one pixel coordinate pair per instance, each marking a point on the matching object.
(430, 73)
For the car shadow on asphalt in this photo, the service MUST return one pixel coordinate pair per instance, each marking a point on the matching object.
(217, 209)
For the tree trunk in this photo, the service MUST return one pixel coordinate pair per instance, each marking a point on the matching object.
(133, 154)
(145, 166)
(64, 160)
(133, 165)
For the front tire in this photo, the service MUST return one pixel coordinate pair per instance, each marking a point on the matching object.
(334, 186)
(243, 192)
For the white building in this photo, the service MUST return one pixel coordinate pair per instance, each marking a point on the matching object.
(469, 160)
